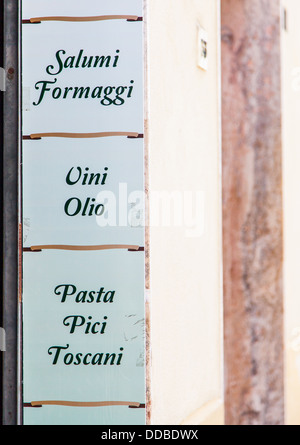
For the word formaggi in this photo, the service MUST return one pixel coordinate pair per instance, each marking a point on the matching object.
(106, 94)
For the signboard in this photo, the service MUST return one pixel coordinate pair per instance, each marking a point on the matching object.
(83, 210)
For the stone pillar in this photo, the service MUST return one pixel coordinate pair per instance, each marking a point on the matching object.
(252, 212)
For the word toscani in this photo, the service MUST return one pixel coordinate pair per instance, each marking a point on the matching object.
(84, 325)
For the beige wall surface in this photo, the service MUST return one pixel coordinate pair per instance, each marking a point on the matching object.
(185, 297)
(291, 188)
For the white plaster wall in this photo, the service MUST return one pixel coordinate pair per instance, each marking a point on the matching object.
(185, 272)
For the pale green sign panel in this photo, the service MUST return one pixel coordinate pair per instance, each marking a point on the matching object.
(83, 212)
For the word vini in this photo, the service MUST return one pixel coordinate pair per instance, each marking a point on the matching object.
(106, 94)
